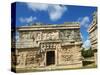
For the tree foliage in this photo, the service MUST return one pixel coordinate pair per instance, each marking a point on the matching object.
(87, 53)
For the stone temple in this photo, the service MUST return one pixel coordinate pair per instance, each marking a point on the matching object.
(47, 47)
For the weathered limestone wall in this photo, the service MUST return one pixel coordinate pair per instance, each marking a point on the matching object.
(69, 55)
(28, 58)
(34, 44)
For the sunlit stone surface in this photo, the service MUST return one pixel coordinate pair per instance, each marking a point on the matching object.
(40, 46)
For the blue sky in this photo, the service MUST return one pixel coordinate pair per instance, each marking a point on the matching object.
(27, 13)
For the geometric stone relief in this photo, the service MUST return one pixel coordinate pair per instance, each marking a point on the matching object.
(48, 45)
(29, 58)
(34, 57)
(70, 35)
(20, 58)
(66, 55)
(50, 36)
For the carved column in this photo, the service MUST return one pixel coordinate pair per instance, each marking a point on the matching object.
(45, 59)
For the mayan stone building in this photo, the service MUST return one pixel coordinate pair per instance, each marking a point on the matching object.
(42, 46)
(93, 35)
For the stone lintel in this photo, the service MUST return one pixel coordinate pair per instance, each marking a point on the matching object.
(22, 48)
(67, 44)
(48, 27)
(51, 41)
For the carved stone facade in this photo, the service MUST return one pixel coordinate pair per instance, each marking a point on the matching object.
(93, 35)
(40, 46)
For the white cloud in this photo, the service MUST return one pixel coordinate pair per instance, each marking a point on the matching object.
(87, 44)
(84, 21)
(35, 7)
(55, 11)
(27, 19)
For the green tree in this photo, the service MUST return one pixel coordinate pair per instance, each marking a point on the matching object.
(87, 53)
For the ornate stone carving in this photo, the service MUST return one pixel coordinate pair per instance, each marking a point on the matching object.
(66, 50)
(70, 35)
(30, 58)
(50, 36)
(48, 40)
(20, 58)
(66, 57)
(67, 34)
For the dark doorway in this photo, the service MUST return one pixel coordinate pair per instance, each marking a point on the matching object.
(50, 58)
